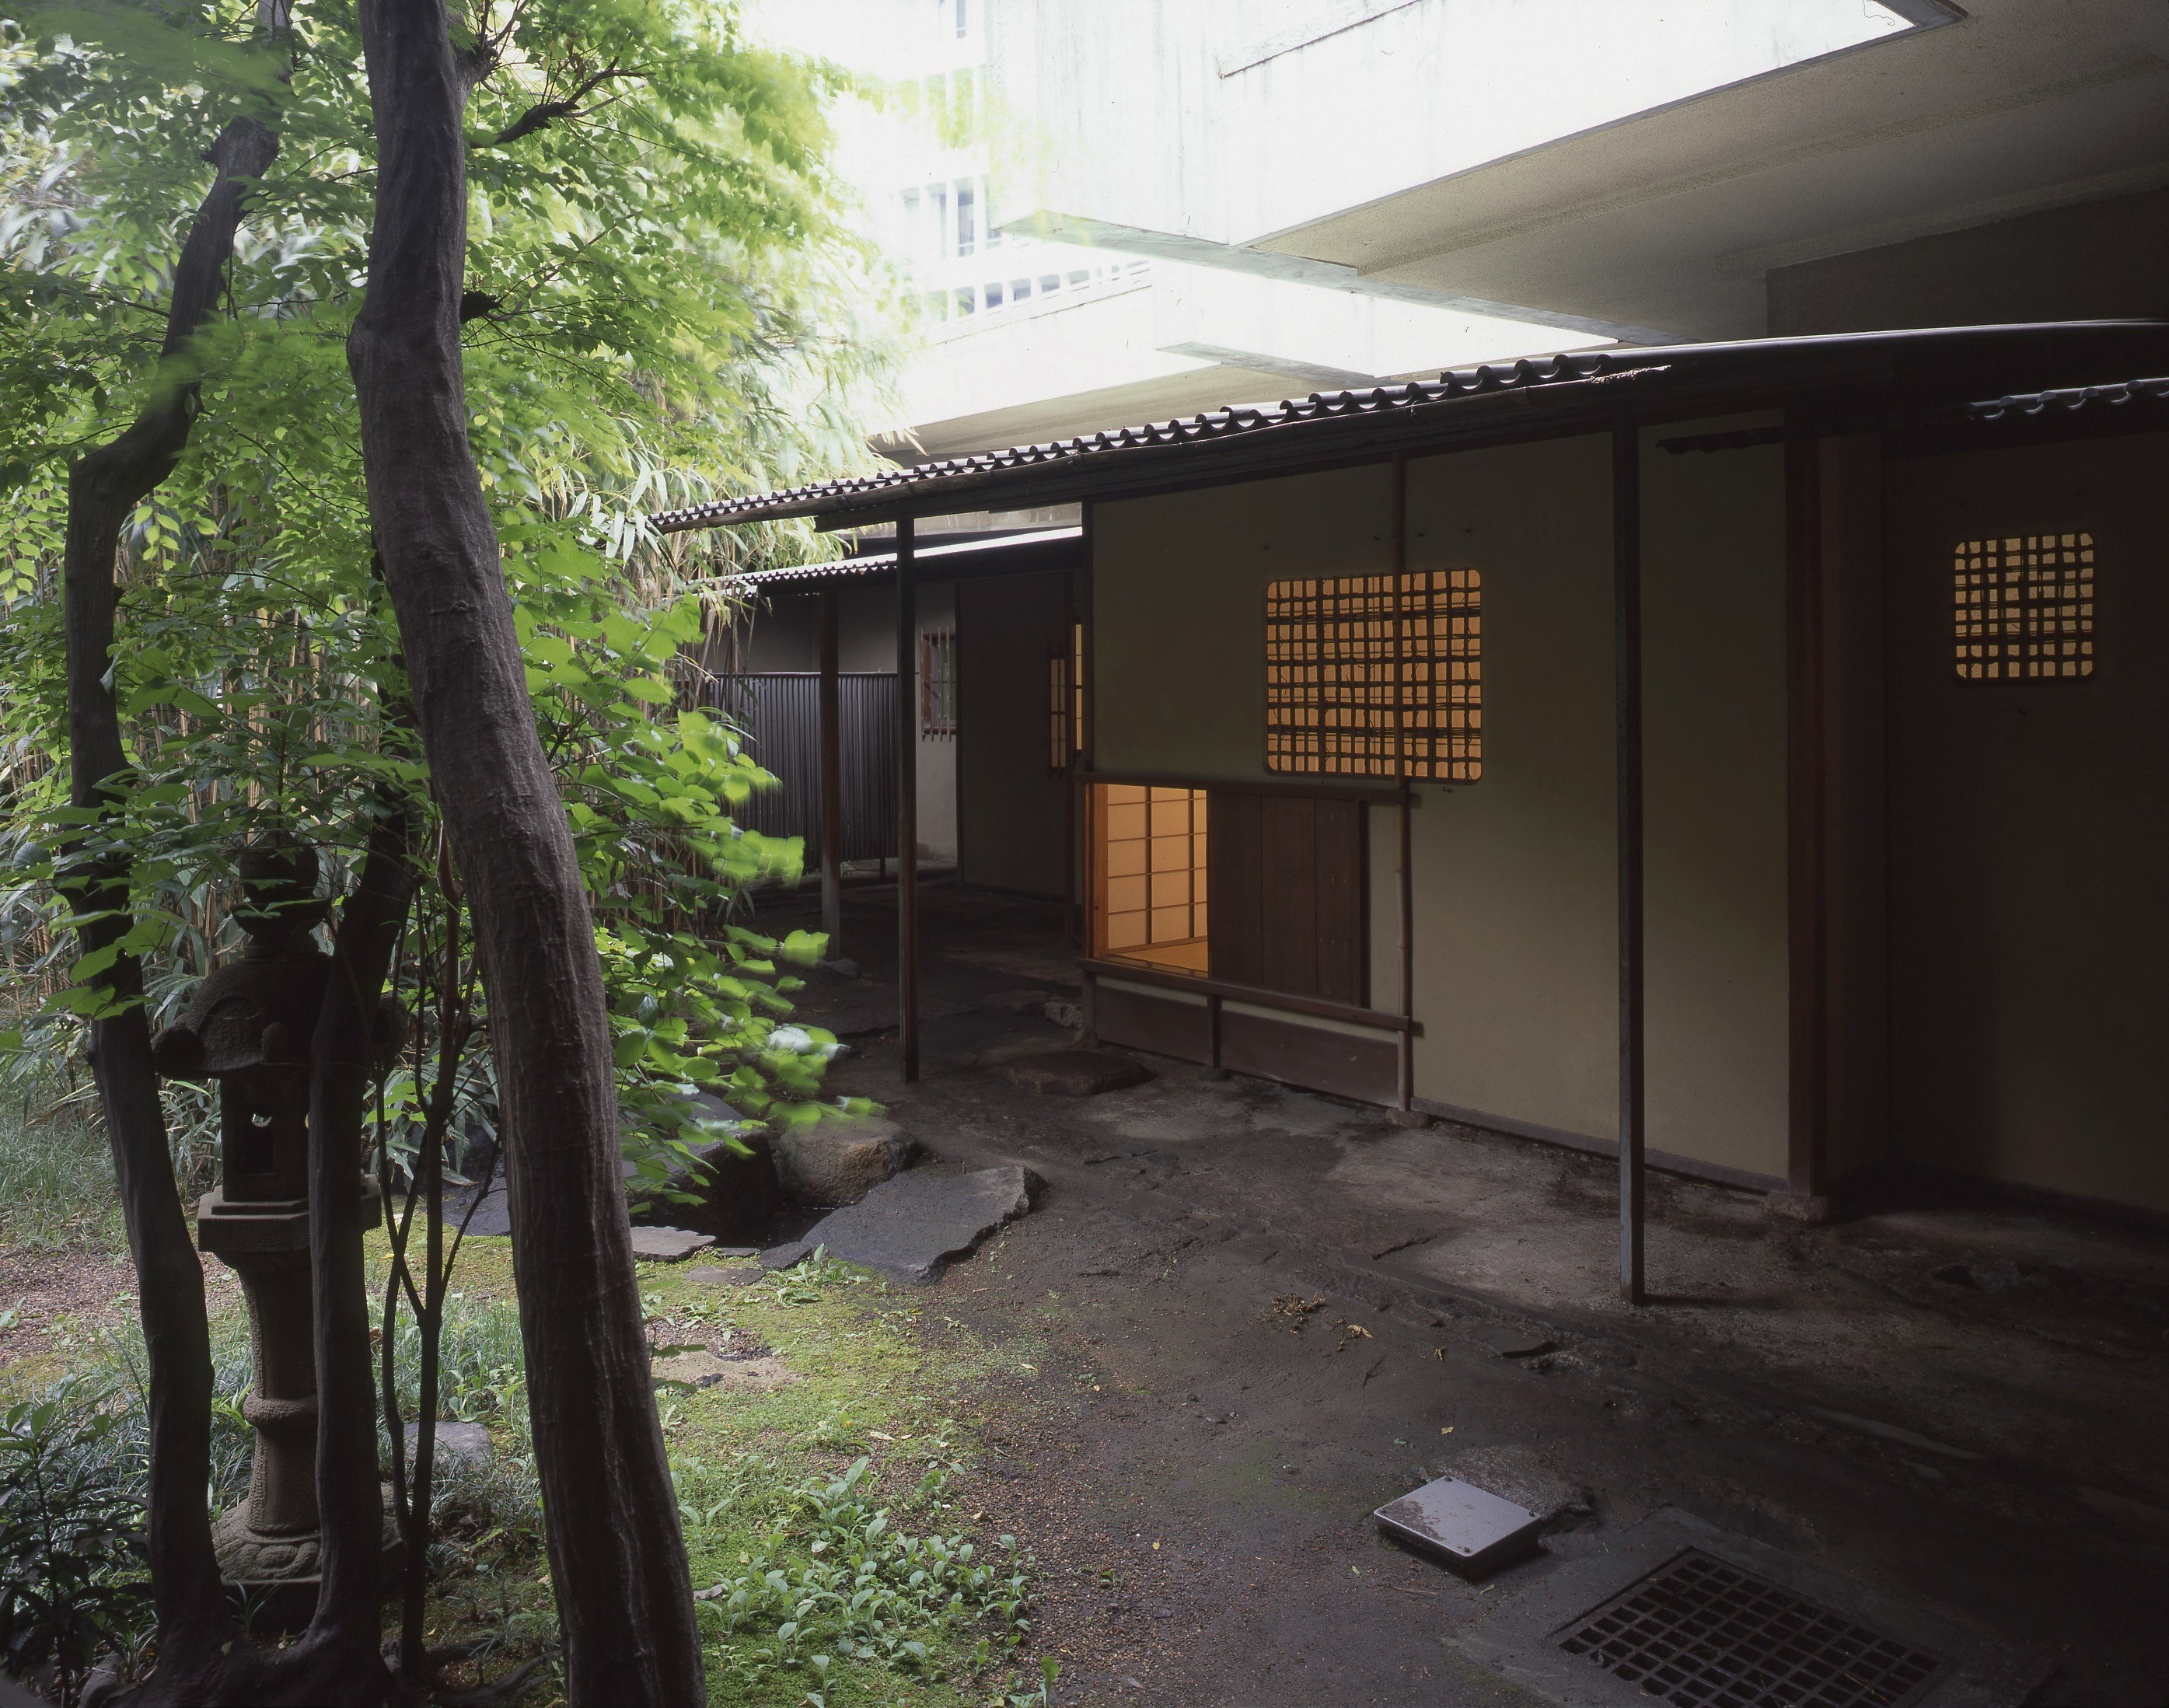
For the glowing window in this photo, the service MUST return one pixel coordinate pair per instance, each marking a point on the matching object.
(1149, 865)
(2022, 608)
(1377, 675)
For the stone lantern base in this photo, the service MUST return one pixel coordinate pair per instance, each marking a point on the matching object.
(277, 1576)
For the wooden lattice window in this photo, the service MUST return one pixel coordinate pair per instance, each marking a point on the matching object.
(2022, 608)
(1065, 702)
(1377, 675)
(937, 682)
(1150, 863)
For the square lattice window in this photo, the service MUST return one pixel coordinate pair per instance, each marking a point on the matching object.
(1377, 675)
(2022, 608)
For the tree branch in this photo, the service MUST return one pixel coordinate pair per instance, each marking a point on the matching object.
(193, 1618)
(544, 113)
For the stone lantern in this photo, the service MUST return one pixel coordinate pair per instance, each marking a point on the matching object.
(249, 1026)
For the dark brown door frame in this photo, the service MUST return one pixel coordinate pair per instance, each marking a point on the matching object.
(907, 796)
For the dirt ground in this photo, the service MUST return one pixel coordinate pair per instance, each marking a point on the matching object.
(1248, 1316)
(1269, 1312)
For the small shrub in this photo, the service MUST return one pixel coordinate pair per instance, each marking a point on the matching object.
(71, 1547)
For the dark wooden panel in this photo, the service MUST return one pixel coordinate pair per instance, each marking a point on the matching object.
(1013, 828)
(1290, 860)
(1161, 1024)
(1368, 1068)
(1342, 938)
(1235, 887)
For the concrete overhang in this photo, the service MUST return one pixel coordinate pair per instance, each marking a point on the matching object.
(1669, 220)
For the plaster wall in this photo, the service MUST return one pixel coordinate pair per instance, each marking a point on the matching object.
(2029, 925)
(1514, 921)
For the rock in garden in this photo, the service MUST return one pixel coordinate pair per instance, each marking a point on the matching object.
(709, 1276)
(457, 1444)
(667, 1245)
(910, 1228)
(840, 1162)
(1075, 1073)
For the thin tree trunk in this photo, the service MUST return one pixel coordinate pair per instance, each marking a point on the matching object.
(194, 1619)
(347, 1625)
(617, 1558)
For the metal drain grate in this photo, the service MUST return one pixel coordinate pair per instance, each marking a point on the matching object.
(1705, 1634)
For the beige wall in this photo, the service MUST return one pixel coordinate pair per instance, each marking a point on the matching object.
(1514, 876)
(2028, 918)
(1178, 591)
(1716, 904)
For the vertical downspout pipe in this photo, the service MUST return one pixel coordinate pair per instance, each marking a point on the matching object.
(1626, 688)
(907, 797)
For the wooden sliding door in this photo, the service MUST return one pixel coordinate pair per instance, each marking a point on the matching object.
(1287, 881)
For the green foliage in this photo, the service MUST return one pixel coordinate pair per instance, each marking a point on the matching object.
(70, 1545)
(661, 305)
(840, 1578)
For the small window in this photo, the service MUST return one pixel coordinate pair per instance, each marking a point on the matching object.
(2022, 608)
(937, 682)
(1065, 702)
(1377, 675)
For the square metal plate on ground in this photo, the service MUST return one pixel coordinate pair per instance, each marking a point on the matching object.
(1676, 1610)
(1471, 1529)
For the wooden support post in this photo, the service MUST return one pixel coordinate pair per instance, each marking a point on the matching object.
(907, 798)
(1626, 688)
(1404, 874)
(832, 784)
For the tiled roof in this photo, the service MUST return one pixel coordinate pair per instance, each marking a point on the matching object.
(1882, 376)
(1218, 424)
(2070, 397)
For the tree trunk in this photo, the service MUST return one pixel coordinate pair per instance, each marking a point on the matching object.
(617, 1558)
(347, 1626)
(193, 1618)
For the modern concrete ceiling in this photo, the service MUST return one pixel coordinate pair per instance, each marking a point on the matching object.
(1669, 220)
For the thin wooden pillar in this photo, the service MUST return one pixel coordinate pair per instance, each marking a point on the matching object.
(907, 797)
(832, 784)
(1626, 688)
(1403, 871)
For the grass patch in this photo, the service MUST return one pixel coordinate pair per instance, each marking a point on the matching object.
(56, 1189)
(837, 1562)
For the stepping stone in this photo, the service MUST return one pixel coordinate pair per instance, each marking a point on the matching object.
(667, 1245)
(910, 1228)
(1074, 1073)
(1510, 1342)
(457, 1443)
(778, 1257)
(839, 1162)
(704, 1369)
(712, 1276)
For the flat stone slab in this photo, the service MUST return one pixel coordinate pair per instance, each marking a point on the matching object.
(910, 1228)
(457, 1443)
(1511, 1342)
(667, 1245)
(785, 1256)
(704, 1369)
(1074, 1073)
(708, 1275)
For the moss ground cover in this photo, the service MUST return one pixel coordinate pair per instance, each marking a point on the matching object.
(824, 1447)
